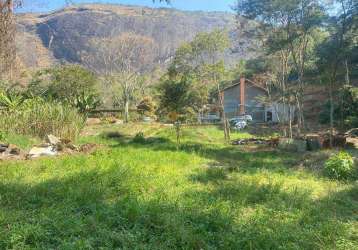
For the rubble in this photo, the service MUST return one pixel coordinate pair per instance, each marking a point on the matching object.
(257, 141)
(9, 151)
(53, 140)
(36, 152)
(54, 146)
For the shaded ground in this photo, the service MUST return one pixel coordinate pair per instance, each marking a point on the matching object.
(151, 195)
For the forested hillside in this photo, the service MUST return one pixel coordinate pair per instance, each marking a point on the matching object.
(66, 34)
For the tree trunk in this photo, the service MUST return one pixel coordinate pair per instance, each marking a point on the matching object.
(331, 116)
(126, 110)
(225, 122)
(347, 72)
(290, 121)
(299, 115)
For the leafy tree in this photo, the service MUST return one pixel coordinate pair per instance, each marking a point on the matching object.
(335, 56)
(201, 59)
(177, 97)
(146, 106)
(72, 84)
(288, 28)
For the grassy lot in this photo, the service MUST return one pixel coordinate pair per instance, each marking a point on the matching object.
(151, 195)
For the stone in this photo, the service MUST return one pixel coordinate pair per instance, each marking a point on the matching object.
(53, 140)
(352, 133)
(4, 145)
(36, 152)
(14, 150)
(65, 141)
(72, 147)
(3, 149)
(353, 142)
(60, 146)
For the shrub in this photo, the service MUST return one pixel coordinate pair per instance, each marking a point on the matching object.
(139, 138)
(70, 84)
(340, 166)
(37, 117)
(2, 136)
(9, 100)
(146, 107)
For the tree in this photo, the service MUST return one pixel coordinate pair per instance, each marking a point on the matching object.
(335, 56)
(7, 39)
(176, 98)
(202, 59)
(146, 106)
(120, 60)
(72, 84)
(288, 26)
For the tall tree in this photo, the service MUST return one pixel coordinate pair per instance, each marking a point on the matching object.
(335, 54)
(290, 25)
(121, 60)
(7, 38)
(203, 59)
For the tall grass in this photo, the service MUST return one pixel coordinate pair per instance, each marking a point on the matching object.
(37, 117)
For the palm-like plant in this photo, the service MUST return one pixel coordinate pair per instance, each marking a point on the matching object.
(86, 102)
(10, 101)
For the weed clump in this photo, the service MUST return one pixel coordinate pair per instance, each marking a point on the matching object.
(37, 117)
(340, 166)
(139, 138)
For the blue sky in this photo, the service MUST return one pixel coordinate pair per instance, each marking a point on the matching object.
(206, 5)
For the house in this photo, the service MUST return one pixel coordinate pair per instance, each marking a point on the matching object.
(245, 97)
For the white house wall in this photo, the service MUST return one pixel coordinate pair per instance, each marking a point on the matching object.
(281, 112)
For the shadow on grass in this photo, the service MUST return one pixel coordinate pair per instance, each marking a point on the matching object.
(104, 210)
(233, 158)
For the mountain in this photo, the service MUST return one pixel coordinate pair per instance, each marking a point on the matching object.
(61, 36)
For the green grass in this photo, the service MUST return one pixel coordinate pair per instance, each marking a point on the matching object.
(22, 141)
(204, 195)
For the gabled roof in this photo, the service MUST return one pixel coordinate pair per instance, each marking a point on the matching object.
(237, 83)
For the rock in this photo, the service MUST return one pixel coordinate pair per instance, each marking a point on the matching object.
(352, 141)
(60, 147)
(3, 149)
(4, 145)
(53, 140)
(352, 133)
(14, 150)
(65, 141)
(93, 121)
(72, 147)
(41, 151)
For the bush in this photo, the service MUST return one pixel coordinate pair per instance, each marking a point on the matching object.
(146, 107)
(70, 84)
(139, 138)
(37, 117)
(340, 166)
